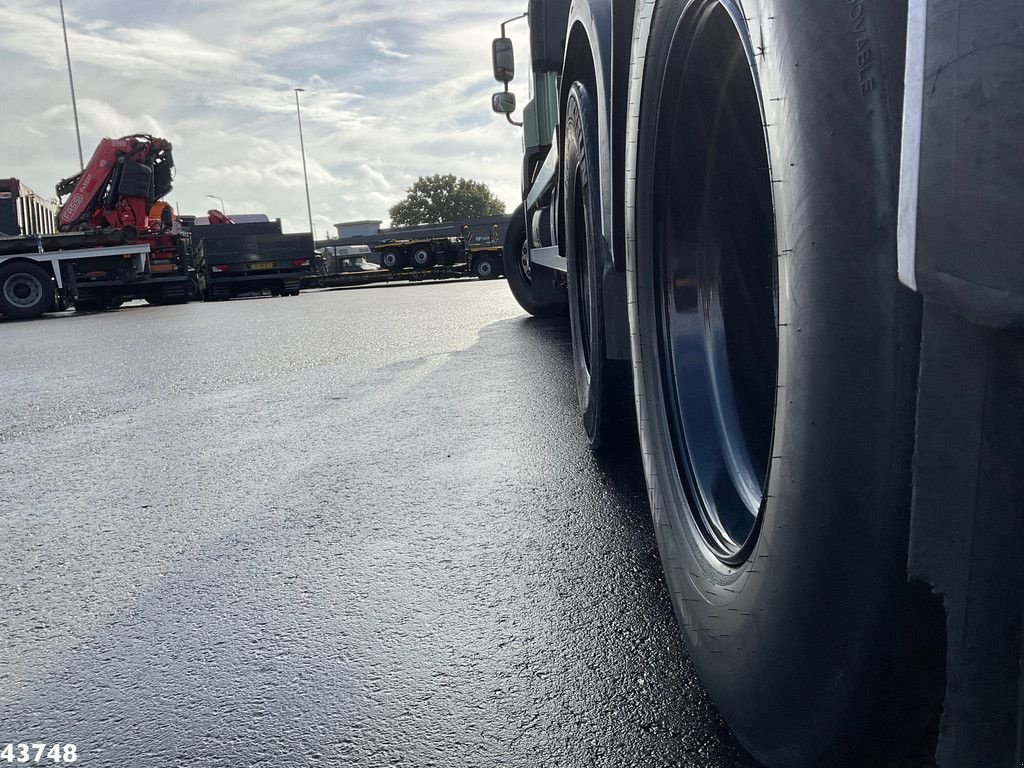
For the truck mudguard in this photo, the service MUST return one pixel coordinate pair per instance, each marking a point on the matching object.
(961, 229)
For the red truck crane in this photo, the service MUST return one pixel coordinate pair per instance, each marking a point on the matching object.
(118, 190)
(110, 247)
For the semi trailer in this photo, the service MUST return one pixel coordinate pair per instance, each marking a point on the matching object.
(786, 236)
(448, 254)
(408, 260)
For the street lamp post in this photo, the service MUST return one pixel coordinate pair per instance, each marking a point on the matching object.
(302, 148)
(221, 199)
(71, 80)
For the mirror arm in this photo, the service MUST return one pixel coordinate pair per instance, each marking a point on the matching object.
(509, 118)
(509, 21)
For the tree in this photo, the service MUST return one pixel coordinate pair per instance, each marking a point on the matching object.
(437, 198)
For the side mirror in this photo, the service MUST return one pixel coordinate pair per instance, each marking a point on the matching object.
(504, 103)
(504, 60)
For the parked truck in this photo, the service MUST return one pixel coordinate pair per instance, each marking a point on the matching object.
(114, 240)
(787, 238)
(234, 259)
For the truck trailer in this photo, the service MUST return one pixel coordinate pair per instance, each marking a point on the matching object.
(234, 259)
(448, 254)
(787, 239)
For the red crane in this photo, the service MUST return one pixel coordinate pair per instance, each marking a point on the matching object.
(118, 187)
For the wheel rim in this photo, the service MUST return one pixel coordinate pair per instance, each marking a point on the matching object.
(483, 269)
(524, 260)
(421, 258)
(390, 259)
(23, 290)
(714, 256)
(581, 266)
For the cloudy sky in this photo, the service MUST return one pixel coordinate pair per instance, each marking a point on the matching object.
(395, 90)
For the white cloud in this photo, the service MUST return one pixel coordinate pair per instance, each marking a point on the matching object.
(393, 91)
(386, 48)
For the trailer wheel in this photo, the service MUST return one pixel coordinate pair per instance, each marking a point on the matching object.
(516, 265)
(486, 268)
(774, 357)
(26, 290)
(393, 260)
(422, 258)
(603, 386)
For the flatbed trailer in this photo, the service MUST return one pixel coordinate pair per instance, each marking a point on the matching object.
(446, 253)
(376, 276)
(42, 274)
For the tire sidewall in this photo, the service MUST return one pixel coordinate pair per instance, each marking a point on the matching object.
(44, 281)
(580, 176)
(815, 593)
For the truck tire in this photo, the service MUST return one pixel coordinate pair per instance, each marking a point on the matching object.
(169, 296)
(603, 386)
(486, 268)
(393, 260)
(26, 290)
(516, 265)
(422, 258)
(774, 357)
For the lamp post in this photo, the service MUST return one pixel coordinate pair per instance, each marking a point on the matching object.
(71, 80)
(221, 199)
(302, 148)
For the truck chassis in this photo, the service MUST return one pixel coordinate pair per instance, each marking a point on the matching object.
(35, 282)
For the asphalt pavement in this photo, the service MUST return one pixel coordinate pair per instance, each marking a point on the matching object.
(357, 527)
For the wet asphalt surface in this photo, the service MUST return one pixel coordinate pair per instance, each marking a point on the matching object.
(357, 527)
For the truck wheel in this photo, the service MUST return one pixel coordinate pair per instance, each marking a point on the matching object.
(774, 357)
(486, 268)
(392, 260)
(516, 263)
(422, 258)
(603, 386)
(26, 290)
